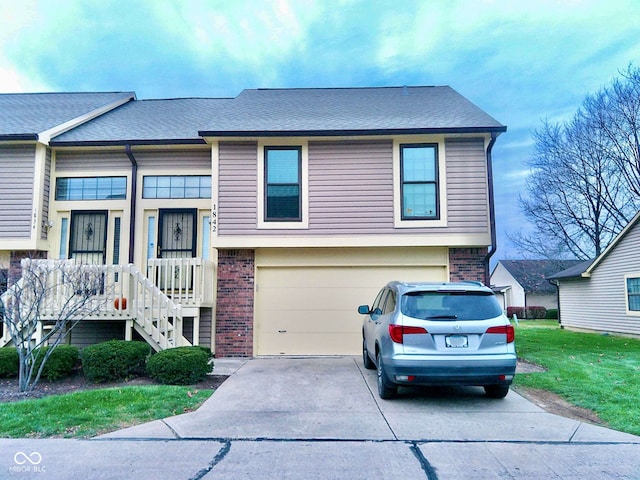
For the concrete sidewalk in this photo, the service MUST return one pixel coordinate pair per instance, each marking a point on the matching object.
(321, 418)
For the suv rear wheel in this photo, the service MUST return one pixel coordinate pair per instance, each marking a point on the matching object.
(386, 389)
(496, 391)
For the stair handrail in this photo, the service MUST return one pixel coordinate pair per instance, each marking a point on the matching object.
(157, 314)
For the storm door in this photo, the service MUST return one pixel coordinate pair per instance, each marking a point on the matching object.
(177, 233)
(176, 239)
(88, 240)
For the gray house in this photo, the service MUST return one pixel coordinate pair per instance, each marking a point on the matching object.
(258, 222)
(604, 294)
(524, 283)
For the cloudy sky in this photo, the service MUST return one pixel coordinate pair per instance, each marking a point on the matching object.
(521, 61)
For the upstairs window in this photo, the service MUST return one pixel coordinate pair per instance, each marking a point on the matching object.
(419, 181)
(91, 188)
(283, 179)
(176, 186)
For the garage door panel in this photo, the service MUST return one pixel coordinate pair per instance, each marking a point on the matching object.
(316, 299)
(302, 321)
(312, 310)
(307, 344)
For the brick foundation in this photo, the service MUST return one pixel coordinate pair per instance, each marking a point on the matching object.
(468, 264)
(235, 300)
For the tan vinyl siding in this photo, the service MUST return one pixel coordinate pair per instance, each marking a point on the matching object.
(205, 326)
(182, 161)
(237, 188)
(45, 196)
(17, 165)
(87, 163)
(599, 302)
(467, 200)
(90, 332)
(351, 189)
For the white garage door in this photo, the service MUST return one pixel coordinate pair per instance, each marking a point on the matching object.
(304, 310)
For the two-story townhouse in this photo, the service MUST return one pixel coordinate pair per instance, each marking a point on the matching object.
(308, 201)
(27, 123)
(324, 195)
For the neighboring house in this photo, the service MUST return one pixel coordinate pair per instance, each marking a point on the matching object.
(523, 283)
(604, 294)
(269, 217)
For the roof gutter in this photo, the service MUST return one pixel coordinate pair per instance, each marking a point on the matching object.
(134, 189)
(492, 210)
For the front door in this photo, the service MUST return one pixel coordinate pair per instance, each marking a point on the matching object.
(177, 233)
(176, 239)
(88, 240)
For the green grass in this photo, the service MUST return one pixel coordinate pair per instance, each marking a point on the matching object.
(93, 412)
(590, 370)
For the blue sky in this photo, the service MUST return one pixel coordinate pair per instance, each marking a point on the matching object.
(520, 61)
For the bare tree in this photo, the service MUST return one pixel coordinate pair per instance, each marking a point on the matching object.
(616, 114)
(581, 190)
(44, 305)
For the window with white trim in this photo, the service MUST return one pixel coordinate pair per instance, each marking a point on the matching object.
(91, 188)
(176, 186)
(283, 184)
(633, 294)
(419, 181)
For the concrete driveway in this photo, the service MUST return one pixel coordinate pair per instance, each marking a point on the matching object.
(280, 418)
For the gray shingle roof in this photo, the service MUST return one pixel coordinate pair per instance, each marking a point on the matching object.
(148, 121)
(24, 115)
(350, 110)
(574, 271)
(533, 275)
(305, 111)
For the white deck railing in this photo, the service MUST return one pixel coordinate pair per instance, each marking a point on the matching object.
(188, 281)
(122, 292)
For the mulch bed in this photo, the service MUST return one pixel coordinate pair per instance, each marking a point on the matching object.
(10, 392)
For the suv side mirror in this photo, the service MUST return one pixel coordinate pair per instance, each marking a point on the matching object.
(364, 310)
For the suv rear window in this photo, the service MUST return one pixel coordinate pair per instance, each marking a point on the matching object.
(450, 305)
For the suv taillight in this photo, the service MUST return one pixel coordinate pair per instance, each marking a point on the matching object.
(507, 330)
(397, 332)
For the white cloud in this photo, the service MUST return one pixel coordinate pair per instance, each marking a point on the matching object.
(250, 34)
(12, 80)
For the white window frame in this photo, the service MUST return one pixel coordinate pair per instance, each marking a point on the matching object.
(398, 222)
(304, 187)
(635, 313)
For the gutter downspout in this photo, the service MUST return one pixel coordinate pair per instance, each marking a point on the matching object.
(556, 284)
(492, 213)
(134, 188)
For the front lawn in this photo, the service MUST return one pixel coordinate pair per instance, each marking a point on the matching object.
(594, 371)
(92, 412)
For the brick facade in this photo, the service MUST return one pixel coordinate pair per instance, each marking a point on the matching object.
(235, 300)
(468, 264)
(15, 268)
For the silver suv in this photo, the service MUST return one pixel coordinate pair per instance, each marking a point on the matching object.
(438, 334)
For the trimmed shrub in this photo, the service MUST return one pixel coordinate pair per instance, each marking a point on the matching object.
(552, 314)
(180, 366)
(114, 360)
(9, 362)
(529, 312)
(60, 363)
(518, 311)
(536, 312)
